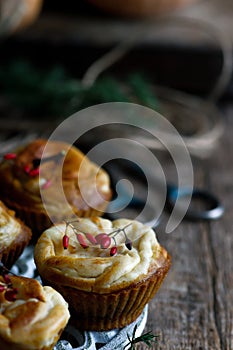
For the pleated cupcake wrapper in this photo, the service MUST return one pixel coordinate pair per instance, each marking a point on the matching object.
(37, 221)
(13, 252)
(10, 256)
(95, 311)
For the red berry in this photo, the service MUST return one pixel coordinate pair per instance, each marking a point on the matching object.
(2, 288)
(100, 236)
(65, 241)
(113, 251)
(10, 295)
(81, 240)
(47, 184)
(27, 168)
(9, 156)
(91, 238)
(105, 242)
(128, 244)
(34, 172)
(7, 278)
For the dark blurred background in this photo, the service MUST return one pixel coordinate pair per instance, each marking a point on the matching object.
(42, 64)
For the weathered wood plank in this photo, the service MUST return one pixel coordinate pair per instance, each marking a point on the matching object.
(221, 237)
(183, 310)
(193, 309)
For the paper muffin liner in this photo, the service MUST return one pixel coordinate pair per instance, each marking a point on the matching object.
(11, 253)
(37, 221)
(99, 312)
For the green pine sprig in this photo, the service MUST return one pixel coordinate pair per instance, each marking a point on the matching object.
(55, 93)
(147, 338)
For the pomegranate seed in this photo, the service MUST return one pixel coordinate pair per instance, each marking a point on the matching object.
(91, 238)
(9, 156)
(81, 240)
(65, 241)
(113, 251)
(105, 242)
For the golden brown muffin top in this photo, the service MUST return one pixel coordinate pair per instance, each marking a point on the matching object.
(30, 315)
(27, 174)
(10, 227)
(129, 253)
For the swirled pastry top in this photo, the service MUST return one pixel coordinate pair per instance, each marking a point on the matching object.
(93, 268)
(23, 181)
(10, 227)
(35, 317)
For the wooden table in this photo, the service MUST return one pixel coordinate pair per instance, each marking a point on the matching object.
(194, 307)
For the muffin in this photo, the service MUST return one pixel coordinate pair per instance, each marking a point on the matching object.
(140, 8)
(14, 236)
(106, 270)
(32, 317)
(16, 15)
(30, 184)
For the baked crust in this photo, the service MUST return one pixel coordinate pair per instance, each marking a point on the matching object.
(80, 179)
(93, 269)
(14, 236)
(104, 292)
(18, 14)
(35, 319)
(94, 311)
(139, 8)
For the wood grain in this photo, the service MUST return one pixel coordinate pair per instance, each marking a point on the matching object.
(193, 309)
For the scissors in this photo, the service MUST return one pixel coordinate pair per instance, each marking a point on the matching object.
(210, 208)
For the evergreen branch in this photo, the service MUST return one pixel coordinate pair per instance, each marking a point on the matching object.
(53, 92)
(147, 338)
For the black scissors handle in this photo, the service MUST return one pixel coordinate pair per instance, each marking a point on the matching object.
(210, 206)
(213, 208)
